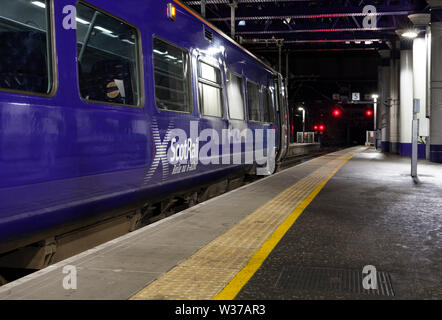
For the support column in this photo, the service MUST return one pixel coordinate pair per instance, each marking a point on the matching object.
(436, 87)
(394, 99)
(384, 100)
(233, 5)
(428, 82)
(279, 44)
(420, 83)
(421, 52)
(406, 99)
(203, 8)
(287, 69)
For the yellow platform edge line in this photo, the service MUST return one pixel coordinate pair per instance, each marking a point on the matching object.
(242, 277)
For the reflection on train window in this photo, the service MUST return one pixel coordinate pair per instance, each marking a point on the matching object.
(253, 101)
(172, 88)
(210, 90)
(108, 58)
(268, 107)
(235, 94)
(25, 54)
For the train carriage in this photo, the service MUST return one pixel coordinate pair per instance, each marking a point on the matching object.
(88, 108)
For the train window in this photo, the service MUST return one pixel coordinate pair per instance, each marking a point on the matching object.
(235, 94)
(172, 77)
(108, 58)
(268, 106)
(210, 90)
(253, 101)
(25, 50)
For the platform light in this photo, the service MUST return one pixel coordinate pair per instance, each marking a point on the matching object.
(374, 96)
(104, 30)
(242, 23)
(410, 34)
(39, 4)
(171, 11)
(82, 21)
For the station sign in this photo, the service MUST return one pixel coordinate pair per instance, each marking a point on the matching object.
(356, 96)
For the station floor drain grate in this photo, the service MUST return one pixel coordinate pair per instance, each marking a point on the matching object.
(332, 280)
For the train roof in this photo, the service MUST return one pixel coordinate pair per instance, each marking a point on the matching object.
(195, 14)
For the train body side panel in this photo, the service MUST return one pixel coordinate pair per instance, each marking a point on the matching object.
(63, 158)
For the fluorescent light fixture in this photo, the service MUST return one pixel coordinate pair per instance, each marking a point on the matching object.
(160, 52)
(369, 42)
(82, 21)
(128, 41)
(39, 4)
(110, 35)
(301, 109)
(374, 96)
(171, 57)
(103, 29)
(410, 34)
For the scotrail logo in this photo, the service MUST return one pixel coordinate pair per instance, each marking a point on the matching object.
(211, 147)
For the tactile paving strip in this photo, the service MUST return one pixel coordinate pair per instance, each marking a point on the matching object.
(209, 270)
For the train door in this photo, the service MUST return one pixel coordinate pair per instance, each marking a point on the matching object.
(236, 111)
(212, 103)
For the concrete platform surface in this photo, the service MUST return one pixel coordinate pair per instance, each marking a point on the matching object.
(371, 213)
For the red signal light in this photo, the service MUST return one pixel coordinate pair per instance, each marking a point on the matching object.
(315, 128)
(321, 127)
(368, 113)
(336, 113)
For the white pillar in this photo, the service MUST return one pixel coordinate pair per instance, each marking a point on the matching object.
(406, 102)
(436, 92)
(394, 104)
(384, 100)
(420, 82)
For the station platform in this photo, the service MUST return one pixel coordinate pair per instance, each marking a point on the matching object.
(304, 233)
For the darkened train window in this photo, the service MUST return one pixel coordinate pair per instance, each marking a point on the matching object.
(172, 75)
(25, 46)
(210, 90)
(268, 107)
(235, 94)
(253, 101)
(108, 59)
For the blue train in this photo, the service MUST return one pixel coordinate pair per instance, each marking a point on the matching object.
(89, 92)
